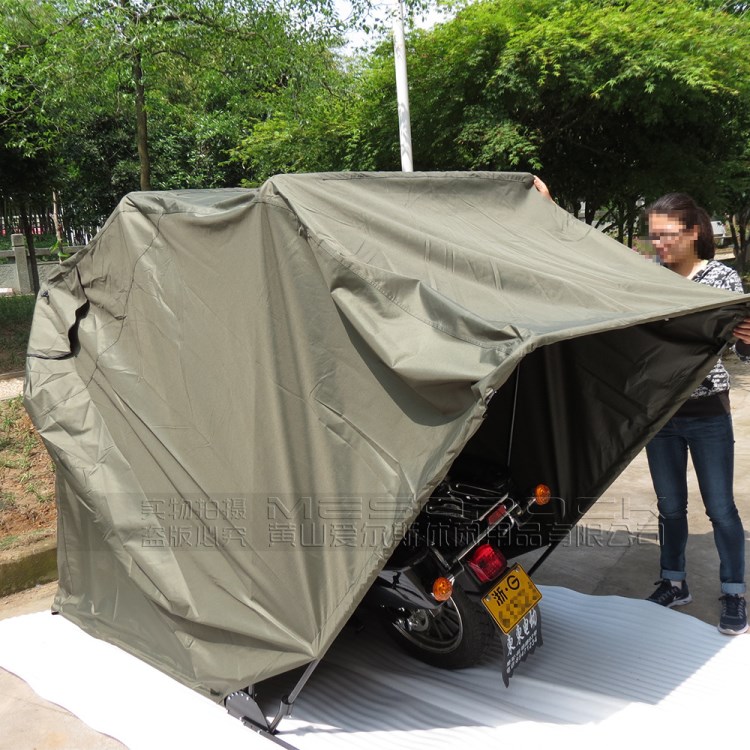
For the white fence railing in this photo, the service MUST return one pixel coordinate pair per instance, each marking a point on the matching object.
(17, 277)
(42, 251)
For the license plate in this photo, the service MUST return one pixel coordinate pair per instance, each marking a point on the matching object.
(512, 597)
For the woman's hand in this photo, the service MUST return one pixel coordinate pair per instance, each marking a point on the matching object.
(742, 332)
(542, 187)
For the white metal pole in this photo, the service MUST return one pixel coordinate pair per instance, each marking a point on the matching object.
(402, 89)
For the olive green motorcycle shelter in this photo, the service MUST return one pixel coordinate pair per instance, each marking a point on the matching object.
(249, 393)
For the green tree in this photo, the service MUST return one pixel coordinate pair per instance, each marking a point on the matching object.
(626, 100)
(317, 122)
(736, 207)
(612, 101)
(304, 126)
(212, 54)
(126, 93)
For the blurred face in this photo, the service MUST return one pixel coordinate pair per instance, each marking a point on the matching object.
(675, 244)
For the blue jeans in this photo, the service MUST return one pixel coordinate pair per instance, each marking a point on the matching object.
(710, 441)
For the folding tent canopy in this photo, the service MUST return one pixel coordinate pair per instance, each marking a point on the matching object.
(248, 394)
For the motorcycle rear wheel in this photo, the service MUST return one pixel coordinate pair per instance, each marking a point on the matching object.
(454, 636)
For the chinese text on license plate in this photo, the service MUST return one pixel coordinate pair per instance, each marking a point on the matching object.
(511, 598)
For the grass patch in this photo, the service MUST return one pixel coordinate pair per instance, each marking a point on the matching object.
(17, 309)
(15, 324)
(12, 463)
(8, 541)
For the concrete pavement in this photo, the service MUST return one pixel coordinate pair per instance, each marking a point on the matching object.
(613, 550)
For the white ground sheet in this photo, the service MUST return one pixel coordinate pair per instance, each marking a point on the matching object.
(612, 672)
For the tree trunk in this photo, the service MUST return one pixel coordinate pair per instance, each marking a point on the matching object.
(589, 212)
(621, 218)
(632, 210)
(141, 123)
(56, 217)
(26, 229)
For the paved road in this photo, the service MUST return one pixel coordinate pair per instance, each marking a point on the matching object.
(10, 386)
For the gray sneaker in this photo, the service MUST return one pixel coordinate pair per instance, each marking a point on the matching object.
(670, 596)
(733, 619)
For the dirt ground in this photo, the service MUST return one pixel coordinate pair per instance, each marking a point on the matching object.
(27, 481)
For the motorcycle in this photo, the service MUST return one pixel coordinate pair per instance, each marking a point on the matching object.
(427, 592)
(447, 591)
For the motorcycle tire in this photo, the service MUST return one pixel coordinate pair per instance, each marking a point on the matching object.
(454, 636)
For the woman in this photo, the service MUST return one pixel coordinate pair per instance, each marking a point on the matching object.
(682, 235)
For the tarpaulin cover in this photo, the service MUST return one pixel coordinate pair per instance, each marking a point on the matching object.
(249, 394)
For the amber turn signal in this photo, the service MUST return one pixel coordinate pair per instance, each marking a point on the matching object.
(442, 589)
(542, 494)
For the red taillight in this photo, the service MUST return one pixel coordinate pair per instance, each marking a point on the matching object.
(487, 563)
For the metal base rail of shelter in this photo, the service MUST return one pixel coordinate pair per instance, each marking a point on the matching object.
(243, 705)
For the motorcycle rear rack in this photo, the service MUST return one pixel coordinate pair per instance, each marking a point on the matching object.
(243, 705)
